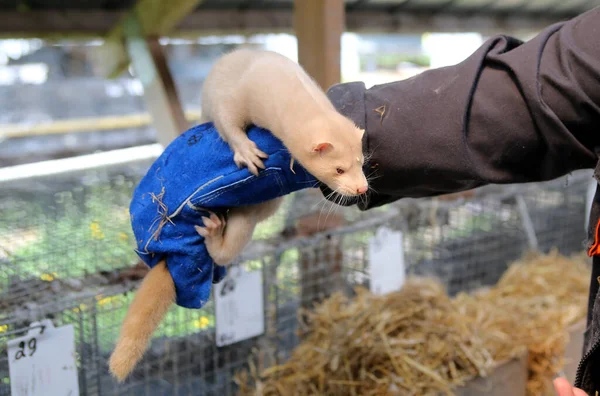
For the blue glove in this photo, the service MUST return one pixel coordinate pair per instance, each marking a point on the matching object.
(194, 174)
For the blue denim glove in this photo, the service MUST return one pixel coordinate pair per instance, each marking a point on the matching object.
(194, 174)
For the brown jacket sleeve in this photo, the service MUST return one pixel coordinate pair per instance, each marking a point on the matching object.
(512, 112)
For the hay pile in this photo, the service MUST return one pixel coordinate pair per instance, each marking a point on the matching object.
(533, 304)
(420, 342)
(413, 339)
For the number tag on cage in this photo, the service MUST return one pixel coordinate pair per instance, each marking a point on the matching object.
(43, 361)
(239, 306)
(386, 261)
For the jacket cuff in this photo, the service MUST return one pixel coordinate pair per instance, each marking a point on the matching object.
(349, 100)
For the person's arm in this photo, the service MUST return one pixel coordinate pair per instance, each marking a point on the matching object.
(512, 112)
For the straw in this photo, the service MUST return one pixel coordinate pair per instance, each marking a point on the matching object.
(418, 341)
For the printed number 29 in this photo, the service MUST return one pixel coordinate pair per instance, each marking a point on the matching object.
(30, 347)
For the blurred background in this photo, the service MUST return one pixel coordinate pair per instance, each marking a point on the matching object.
(91, 91)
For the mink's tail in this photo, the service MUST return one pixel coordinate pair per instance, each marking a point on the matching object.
(150, 304)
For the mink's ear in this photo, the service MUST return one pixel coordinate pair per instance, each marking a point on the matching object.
(322, 147)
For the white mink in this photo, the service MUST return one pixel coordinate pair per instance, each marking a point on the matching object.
(267, 89)
(255, 87)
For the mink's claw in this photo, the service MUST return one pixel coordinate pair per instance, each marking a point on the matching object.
(213, 226)
(249, 155)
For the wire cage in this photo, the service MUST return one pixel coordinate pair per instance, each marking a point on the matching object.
(66, 253)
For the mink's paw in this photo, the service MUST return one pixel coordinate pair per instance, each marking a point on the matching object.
(213, 226)
(247, 154)
(214, 238)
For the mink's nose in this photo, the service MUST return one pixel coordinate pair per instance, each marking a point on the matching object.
(362, 190)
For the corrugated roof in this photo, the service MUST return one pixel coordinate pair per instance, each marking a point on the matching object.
(80, 5)
(93, 18)
(544, 7)
(560, 8)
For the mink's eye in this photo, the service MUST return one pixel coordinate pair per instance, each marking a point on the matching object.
(339, 171)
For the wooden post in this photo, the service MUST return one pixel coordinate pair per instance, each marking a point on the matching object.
(319, 25)
(160, 94)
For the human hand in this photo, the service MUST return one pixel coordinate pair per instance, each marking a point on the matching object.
(563, 388)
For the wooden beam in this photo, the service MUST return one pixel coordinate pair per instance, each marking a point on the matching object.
(160, 94)
(319, 25)
(226, 21)
(100, 24)
(205, 22)
(82, 125)
(413, 22)
(57, 24)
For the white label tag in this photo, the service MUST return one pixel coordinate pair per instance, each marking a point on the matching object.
(239, 306)
(43, 362)
(386, 261)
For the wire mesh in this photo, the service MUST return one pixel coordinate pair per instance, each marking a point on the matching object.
(66, 253)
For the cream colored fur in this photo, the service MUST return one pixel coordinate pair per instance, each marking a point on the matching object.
(265, 89)
(269, 90)
(150, 304)
(225, 240)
